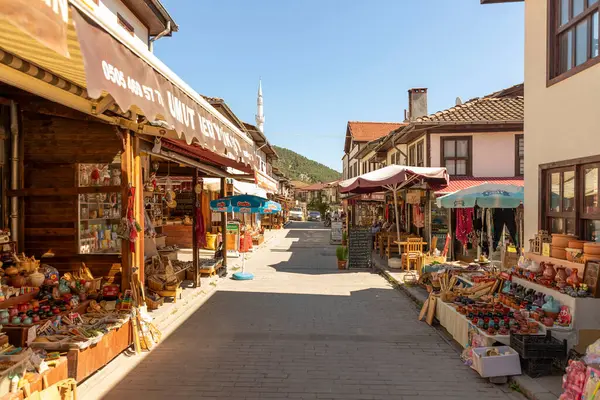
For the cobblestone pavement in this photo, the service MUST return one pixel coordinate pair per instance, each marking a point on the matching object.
(304, 330)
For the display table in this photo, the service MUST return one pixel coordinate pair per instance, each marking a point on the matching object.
(584, 311)
(83, 363)
(455, 323)
(51, 376)
(178, 235)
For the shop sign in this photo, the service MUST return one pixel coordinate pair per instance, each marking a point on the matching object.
(373, 197)
(336, 232)
(46, 21)
(112, 68)
(265, 182)
(413, 197)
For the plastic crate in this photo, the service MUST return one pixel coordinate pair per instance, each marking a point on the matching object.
(531, 346)
(537, 367)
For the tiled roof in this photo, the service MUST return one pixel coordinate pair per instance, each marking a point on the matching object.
(314, 187)
(299, 184)
(465, 182)
(367, 131)
(503, 106)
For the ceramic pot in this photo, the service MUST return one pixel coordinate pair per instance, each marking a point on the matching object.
(549, 272)
(16, 320)
(561, 275)
(4, 314)
(341, 264)
(559, 252)
(36, 279)
(573, 279)
(562, 241)
(576, 244)
(19, 281)
(10, 271)
(589, 248)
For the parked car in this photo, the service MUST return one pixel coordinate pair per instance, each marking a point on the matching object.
(314, 216)
(296, 214)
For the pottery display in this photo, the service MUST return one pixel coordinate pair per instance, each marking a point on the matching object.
(37, 279)
(18, 281)
(15, 320)
(564, 316)
(10, 271)
(549, 272)
(562, 241)
(573, 279)
(561, 276)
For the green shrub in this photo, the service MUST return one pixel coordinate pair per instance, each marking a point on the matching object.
(341, 253)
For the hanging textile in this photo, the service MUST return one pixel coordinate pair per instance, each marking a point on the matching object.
(418, 216)
(464, 224)
(200, 225)
(504, 217)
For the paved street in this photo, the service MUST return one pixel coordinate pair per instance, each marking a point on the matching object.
(304, 330)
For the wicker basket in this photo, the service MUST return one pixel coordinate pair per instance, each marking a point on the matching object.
(172, 285)
(154, 284)
(152, 304)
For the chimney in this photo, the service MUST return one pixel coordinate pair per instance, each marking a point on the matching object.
(417, 103)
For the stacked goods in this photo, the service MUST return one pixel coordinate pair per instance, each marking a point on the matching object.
(559, 244)
(591, 251)
(575, 251)
(538, 353)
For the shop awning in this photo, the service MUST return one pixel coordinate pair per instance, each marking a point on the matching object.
(69, 50)
(486, 195)
(393, 176)
(459, 183)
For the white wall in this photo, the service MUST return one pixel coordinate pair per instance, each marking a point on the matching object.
(107, 11)
(562, 121)
(394, 150)
(493, 153)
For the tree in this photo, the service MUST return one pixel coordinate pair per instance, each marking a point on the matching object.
(319, 205)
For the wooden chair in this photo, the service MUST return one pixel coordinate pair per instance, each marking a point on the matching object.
(413, 254)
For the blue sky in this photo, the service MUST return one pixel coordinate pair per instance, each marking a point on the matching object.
(325, 62)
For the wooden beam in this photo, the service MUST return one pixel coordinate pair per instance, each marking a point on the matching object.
(65, 191)
(139, 209)
(125, 181)
(195, 248)
(98, 107)
(224, 224)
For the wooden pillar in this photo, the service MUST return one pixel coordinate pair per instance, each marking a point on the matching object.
(224, 224)
(138, 213)
(195, 248)
(126, 260)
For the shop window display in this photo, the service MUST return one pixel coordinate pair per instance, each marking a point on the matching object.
(99, 213)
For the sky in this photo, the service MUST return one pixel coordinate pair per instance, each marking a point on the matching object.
(326, 62)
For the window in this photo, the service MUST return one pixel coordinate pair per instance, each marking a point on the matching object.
(126, 25)
(456, 155)
(364, 167)
(420, 154)
(571, 203)
(411, 156)
(519, 155)
(573, 36)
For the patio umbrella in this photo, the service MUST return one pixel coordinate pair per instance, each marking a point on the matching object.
(248, 204)
(394, 178)
(486, 195)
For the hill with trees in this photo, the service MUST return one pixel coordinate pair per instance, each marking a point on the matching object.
(299, 168)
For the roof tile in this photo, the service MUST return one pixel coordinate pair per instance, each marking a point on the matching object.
(367, 131)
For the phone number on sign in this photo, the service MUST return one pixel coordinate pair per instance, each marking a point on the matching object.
(117, 77)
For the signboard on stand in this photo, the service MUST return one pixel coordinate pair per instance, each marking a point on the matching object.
(233, 239)
(336, 232)
(360, 244)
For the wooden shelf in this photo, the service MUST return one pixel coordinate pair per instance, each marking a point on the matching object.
(556, 261)
(98, 219)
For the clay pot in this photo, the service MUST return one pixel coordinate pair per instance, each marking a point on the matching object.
(576, 244)
(36, 279)
(561, 275)
(549, 272)
(589, 248)
(573, 279)
(559, 252)
(552, 315)
(18, 281)
(562, 240)
(10, 271)
(341, 264)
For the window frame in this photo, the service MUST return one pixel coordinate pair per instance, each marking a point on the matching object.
(420, 150)
(122, 21)
(578, 214)
(412, 156)
(518, 158)
(554, 31)
(469, 158)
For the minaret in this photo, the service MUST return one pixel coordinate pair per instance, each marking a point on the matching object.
(260, 116)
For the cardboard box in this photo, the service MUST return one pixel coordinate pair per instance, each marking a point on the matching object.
(502, 365)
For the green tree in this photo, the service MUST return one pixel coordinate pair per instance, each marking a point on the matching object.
(319, 205)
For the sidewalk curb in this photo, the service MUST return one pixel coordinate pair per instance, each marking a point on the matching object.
(527, 386)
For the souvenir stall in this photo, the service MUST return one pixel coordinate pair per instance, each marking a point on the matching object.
(393, 178)
(483, 216)
(367, 209)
